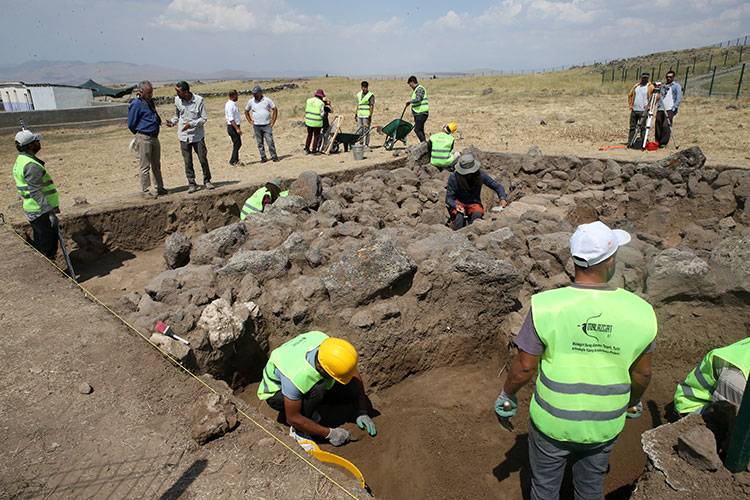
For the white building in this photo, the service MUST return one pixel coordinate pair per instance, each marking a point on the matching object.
(19, 96)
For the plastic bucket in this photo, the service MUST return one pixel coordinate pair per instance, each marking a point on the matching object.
(358, 151)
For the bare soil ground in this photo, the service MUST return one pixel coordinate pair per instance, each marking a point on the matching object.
(129, 438)
(580, 116)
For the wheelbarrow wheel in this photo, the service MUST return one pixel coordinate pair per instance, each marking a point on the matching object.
(335, 148)
(389, 143)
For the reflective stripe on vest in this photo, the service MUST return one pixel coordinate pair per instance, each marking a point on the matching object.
(313, 110)
(442, 149)
(255, 202)
(591, 339)
(363, 104)
(49, 190)
(422, 106)
(697, 390)
(291, 360)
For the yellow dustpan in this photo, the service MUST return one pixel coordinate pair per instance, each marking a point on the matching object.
(313, 449)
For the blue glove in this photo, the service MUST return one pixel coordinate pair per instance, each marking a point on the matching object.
(506, 405)
(634, 411)
(365, 422)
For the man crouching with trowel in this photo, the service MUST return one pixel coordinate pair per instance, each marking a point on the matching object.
(299, 375)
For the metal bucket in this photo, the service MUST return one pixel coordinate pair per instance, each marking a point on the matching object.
(358, 151)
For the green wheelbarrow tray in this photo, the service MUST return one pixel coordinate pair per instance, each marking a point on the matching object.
(397, 130)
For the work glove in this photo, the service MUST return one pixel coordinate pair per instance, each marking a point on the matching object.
(365, 422)
(338, 436)
(53, 220)
(634, 411)
(506, 405)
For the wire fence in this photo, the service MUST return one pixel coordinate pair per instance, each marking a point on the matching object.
(718, 70)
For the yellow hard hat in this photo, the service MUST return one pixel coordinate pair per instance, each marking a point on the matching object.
(452, 127)
(338, 358)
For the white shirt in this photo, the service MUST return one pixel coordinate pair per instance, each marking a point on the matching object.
(641, 98)
(261, 110)
(231, 112)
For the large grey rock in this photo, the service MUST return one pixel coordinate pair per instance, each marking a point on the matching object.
(292, 204)
(184, 284)
(263, 264)
(177, 250)
(213, 416)
(309, 187)
(698, 448)
(676, 274)
(367, 272)
(226, 324)
(685, 161)
(217, 243)
(480, 266)
(174, 348)
(730, 262)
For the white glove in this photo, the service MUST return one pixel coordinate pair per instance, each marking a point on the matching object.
(338, 436)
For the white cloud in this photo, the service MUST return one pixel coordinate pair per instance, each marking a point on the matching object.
(504, 12)
(575, 11)
(207, 15)
(451, 20)
(391, 25)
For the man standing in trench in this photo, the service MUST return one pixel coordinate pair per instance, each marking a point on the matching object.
(302, 372)
(592, 344)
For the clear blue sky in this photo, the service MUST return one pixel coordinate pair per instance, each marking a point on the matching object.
(343, 37)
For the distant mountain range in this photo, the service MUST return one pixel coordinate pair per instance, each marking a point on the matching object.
(107, 72)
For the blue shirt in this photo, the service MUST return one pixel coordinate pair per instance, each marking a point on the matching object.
(453, 193)
(143, 118)
(676, 96)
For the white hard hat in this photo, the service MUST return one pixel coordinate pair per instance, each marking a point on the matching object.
(25, 137)
(595, 242)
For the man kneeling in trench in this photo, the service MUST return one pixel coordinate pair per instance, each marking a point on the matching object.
(304, 371)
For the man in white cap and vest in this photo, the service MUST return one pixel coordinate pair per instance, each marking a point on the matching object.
(41, 200)
(301, 372)
(592, 345)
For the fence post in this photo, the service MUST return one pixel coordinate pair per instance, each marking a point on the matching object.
(741, 48)
(710, 60)
(638, 75)
(739, 85)
(678, 67)
(711, 87)
(687, 73)
(603, 77)
(625, 75)
(653, 73)
(739, 442)
(613, 73)
(726, 54)
(694, 60)
(659, 68)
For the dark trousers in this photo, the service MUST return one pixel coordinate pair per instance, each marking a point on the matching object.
(317, 395)
(548, 458)
(637, 124)
(236, 145)
(462, 220)
(45, 236)
(419, 121)
(663, 130)
(313, 138)
(187, 156)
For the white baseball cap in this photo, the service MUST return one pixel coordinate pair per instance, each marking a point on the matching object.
(595, 242)
(26, 136)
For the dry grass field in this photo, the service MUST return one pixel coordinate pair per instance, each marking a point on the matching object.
(580, 116)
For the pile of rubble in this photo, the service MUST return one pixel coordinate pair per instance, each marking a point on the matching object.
(371, 260)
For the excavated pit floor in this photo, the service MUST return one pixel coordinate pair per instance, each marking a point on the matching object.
(437, 432)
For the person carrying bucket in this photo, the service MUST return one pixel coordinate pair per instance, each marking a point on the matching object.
(314, 114)
(440, 147)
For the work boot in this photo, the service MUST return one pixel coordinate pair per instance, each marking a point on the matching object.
(263, 160)
(161, 191)
(208, 185)
(193, 188)
(275, 159)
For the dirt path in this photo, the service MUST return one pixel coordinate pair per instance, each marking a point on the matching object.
(130, 438)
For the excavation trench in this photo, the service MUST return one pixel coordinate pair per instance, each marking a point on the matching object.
(433, 336)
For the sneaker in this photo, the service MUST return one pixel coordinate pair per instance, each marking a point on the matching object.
(263, 160)
(149, 195)
(208, 185)
(161, 191)
(193, 188)
(275, 159)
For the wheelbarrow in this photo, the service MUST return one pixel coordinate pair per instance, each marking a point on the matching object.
(348, 140)
(397, 130)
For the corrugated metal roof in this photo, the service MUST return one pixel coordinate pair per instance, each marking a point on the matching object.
(24, 84)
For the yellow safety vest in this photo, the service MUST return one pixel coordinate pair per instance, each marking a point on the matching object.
(49, 189)
(363, 104)
(313, 110)
(422, 106)
(442, 150)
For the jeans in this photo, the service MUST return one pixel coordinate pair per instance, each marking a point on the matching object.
(364, 122)
(265, 133)
(312, 400)
(637, 123)
(313, 139)
(548, 458)
(419, 121)
(663, 129)
(236, 145)
(149, 157)
(187, 156)
(45, 236)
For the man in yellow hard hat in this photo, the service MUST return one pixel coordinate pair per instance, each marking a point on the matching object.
(440, 147)
(299, 374)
